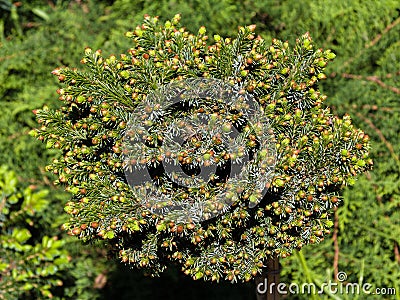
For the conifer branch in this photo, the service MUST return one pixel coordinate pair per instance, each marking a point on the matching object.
(374, 79)
(384, 31)
(132, 118)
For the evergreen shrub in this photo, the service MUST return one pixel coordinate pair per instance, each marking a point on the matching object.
(317, 153)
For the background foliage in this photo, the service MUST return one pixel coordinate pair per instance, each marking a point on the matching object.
(38, 36)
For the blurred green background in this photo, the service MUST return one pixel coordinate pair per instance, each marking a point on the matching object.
(39, 261)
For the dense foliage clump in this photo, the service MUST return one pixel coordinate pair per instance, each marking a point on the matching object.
(28, 267)
(317, 153)
(362, 81)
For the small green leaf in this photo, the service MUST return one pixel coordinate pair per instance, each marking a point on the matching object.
(3, 266)
(134, 226)
(198, 275)
(161, 227)
(21, 234)
(41, 13)
(27, 287)
(109, 234)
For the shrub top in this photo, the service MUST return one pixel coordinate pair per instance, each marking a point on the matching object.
(315, 153)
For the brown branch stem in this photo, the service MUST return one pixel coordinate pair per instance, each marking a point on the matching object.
(269, 280)
(396, 252)
(336, 244)
(386, 30)
(374, 79)
(372, 43)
